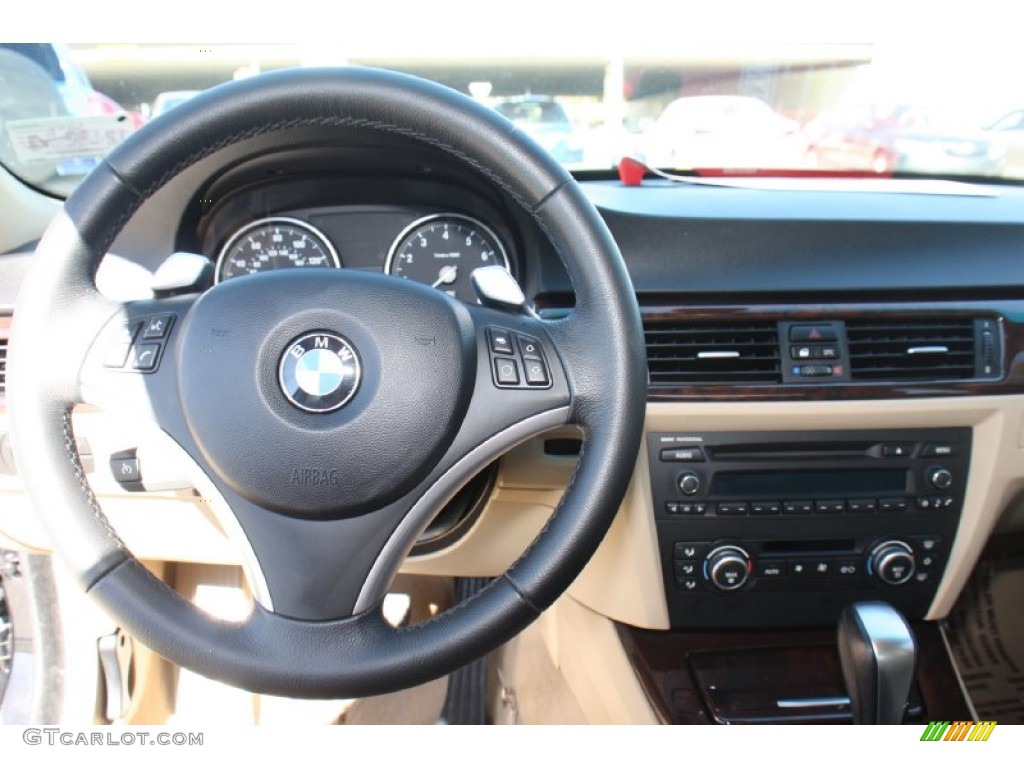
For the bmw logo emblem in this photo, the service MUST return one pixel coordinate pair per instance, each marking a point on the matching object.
(319, 372)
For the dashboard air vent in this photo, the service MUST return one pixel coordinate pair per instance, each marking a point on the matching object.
(896, 349)
(683, 353)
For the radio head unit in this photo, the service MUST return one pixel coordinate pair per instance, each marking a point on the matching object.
(784, 528)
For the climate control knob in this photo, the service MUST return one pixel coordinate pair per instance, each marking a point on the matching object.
(689, 483)
(892, 562)
(727, 568)
(940, 477)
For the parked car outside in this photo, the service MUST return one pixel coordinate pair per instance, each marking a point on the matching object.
(901, 138)
(723, 132)
(545, 120)
(1008, 131)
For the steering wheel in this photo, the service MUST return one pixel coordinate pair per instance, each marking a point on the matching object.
(333, 411)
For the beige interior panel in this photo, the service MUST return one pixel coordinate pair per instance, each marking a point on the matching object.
(585, 648)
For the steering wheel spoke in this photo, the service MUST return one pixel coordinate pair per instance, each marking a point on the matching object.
(131, 366)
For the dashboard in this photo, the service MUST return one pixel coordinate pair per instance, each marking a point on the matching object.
(792, 327)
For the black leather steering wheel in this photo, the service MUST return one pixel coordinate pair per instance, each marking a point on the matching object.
(328, 498)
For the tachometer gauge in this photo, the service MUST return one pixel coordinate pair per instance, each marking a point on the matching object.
(276, 243)
(443, 250)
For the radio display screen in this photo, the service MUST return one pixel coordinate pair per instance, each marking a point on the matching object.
(819, 483)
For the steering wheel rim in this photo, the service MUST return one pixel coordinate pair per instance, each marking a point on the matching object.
(595, 357)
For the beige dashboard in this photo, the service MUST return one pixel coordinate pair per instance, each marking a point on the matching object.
(623, 581)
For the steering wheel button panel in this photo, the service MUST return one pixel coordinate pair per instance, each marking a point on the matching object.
(536, 373)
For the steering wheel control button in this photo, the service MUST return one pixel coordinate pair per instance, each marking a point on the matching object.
(125, 469)
(144, 357)
(501, 341)
(158, 327)
(536, 373)
(506, 371)
(529, 348)
(319, 372)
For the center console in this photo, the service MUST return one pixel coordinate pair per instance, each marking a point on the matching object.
(786, 528)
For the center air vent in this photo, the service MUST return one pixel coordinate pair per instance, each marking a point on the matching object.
(695, 352)
(938, 349)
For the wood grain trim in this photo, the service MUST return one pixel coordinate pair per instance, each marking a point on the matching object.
(662, 662)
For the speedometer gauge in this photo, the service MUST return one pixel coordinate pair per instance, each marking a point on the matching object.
(443, 250)
(276, 243)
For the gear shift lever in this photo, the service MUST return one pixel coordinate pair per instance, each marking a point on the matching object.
(877, 653)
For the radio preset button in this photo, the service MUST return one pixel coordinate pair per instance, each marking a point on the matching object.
(892, 505)
(862, 506)
(733, 508)
(765, 507)
(830, 507)
(798, 507)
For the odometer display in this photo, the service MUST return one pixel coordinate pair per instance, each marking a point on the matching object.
(277, 243)
(443, 250)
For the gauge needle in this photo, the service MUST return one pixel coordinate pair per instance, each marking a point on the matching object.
(447, 275)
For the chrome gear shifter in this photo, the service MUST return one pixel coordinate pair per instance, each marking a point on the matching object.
(877, 653)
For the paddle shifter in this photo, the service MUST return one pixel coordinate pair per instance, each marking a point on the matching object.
(877, 654)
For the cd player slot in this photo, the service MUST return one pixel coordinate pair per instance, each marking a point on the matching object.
(795, 451)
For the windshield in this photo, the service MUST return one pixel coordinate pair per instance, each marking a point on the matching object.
(898, 103)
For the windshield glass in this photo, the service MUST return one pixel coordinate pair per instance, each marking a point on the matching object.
(584, 86)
